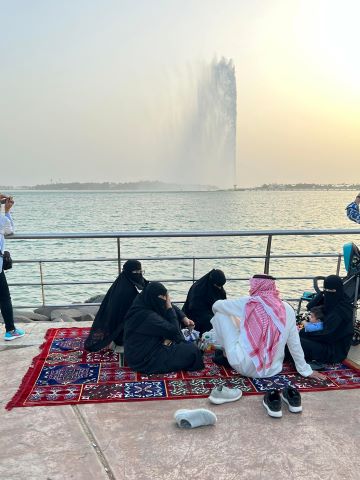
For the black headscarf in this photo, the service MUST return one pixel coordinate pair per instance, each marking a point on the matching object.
(202, 296)
(151, 297)
(108, 324)
(205, 291)
(217, 277)
(129, 267)
(332, 299)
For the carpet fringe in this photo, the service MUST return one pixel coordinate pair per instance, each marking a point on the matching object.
(29, 374)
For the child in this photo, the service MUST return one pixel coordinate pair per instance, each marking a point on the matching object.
(315, 322)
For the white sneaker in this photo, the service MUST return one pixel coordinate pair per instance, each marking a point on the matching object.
(194, 418)
(224, 394)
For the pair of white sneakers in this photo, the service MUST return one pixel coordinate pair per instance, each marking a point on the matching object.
(201, 416)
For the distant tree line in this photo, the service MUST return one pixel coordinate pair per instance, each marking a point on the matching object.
(142, 185)
(307, 186)
(148, 185)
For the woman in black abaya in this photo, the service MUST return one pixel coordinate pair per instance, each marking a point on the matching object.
(108, 324)
(202, 296)
(153, 341)
(331, 344)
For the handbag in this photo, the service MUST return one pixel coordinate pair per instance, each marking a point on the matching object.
(7, 260)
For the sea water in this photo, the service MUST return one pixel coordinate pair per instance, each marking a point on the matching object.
(98, 211)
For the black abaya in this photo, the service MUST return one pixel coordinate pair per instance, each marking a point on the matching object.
(108, 324)
(202, 296)
(147, 325)
(331, 344)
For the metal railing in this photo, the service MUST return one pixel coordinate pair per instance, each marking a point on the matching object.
(118, 236)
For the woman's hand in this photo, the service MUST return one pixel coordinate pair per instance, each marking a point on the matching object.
(168, 302)
(317, 375)
(188, 323)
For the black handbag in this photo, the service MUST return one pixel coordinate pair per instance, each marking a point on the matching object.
(7, 260)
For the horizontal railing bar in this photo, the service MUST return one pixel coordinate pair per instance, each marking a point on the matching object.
(77, 305)
(223, 257)
(65, 305)
(170, 234)
(191, 234)
(168, 280)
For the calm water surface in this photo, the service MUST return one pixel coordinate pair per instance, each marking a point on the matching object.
(70, 211)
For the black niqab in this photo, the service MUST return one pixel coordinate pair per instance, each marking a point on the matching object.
(332, 299)
(129, 269)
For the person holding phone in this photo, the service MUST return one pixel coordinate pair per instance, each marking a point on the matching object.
(6, 228)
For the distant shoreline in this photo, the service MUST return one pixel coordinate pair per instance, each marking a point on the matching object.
(169, 187)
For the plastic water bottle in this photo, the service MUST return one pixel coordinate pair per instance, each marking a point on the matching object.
(208, 342)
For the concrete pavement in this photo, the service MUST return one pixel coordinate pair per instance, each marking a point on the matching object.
(140, 440)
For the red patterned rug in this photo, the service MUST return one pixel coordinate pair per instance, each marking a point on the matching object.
(63, 373)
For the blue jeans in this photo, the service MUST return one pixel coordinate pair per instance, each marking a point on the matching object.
(5, 303)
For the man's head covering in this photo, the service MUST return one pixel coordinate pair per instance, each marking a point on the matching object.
(265, 319)
(136, 278)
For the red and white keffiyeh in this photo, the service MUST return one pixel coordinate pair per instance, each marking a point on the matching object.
(265, 319)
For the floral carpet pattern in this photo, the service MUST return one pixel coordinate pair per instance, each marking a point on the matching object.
(64, 373)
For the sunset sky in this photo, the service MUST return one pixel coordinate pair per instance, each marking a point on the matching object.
(98, 90)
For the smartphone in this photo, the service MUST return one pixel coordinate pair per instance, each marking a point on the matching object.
(2, 201)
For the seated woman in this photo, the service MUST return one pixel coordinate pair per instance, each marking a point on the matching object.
(332, 343)
(108, 324)
(153, 341)
(254, 331)
(201, 297)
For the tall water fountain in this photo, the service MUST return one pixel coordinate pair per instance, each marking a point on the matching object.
(217, 121)
(208, 143)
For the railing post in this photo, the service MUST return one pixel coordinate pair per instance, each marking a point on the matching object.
(268, 253)
(338, 264)
(355, 299)
(42, 284)
(118, 254)
(193, 269)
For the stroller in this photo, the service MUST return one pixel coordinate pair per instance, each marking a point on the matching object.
(351, 284)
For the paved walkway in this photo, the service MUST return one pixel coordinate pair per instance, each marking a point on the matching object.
(141, 441)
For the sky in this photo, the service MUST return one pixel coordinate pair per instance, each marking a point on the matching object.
(103, 90)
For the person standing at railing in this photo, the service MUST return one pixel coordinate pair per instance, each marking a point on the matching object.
(7, 228)
(108, 325)
(352, 210)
